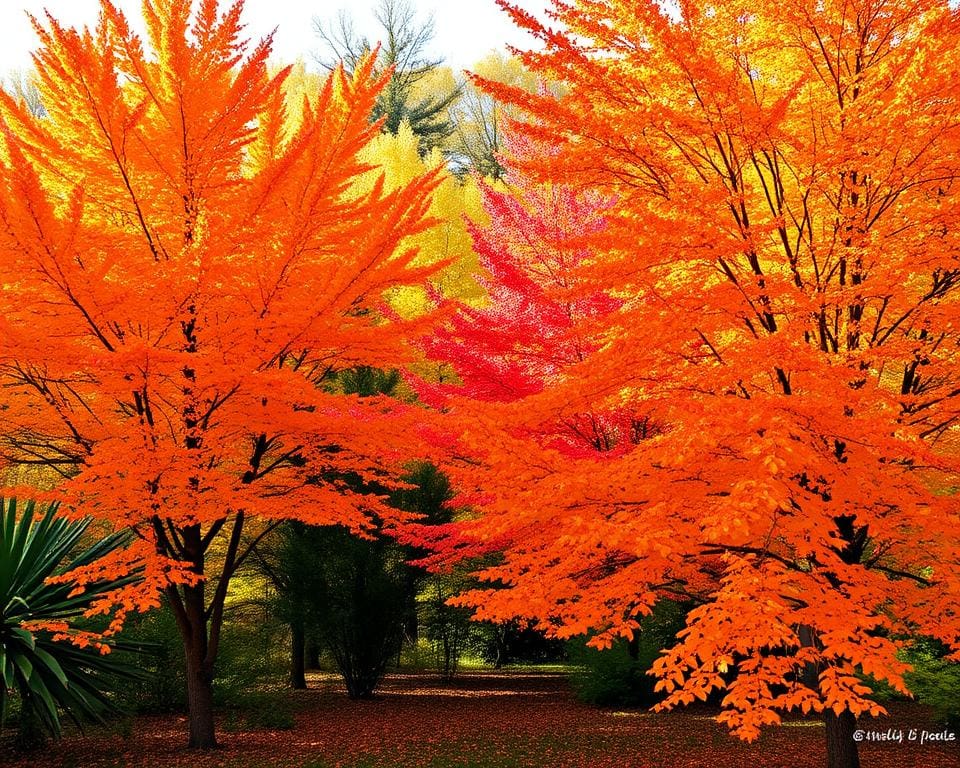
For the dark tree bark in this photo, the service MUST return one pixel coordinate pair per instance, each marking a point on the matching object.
(841, 748)
(313, 651)
(200, 702)
(500, 641)
(298, 677)
(199, 669)
(200, 622)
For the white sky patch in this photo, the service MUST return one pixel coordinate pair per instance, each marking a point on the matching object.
(465, 30)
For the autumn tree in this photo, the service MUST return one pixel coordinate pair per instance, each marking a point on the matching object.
(21, 86)
(453, 203)
(402, 51)
(786, 248)
(185, 263)
(538, 316)
(480, 120)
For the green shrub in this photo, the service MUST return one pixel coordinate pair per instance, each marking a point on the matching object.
(418, 656)
(52, 676)
(611, 677)
(253, 656)
(935, 680)
(937, 683)
(618, 675)
(163, 686)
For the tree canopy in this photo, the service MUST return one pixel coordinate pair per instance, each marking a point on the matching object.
(783, 246)
(184, 266)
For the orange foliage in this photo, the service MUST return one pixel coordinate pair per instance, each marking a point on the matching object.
(785, 249)
(186, 268)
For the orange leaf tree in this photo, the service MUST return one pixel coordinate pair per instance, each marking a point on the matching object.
(785, 242)
(185, 271)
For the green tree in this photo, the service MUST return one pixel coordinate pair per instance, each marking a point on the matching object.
(404, 48)
(358, 596)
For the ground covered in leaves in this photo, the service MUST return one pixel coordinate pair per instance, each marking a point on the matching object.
(501, 720)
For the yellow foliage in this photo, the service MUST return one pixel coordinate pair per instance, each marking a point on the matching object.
(397, 158)
(505, 69)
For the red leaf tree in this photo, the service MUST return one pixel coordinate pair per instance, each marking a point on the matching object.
(784, 245)
(186, 269)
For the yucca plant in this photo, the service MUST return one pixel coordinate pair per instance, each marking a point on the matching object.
(51, 676)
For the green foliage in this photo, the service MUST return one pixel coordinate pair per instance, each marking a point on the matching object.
(163, 686)
(447, 627)
(611, 677)
(405, 40)
(366, 381)
(359, 604)
(52, 675)
(428, 494)
(251, 660)
(358, 596)
(425, 594)
(346, 591)
(617, 676)
(935, 680)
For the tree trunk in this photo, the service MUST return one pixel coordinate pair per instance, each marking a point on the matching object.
(313, 652)
(500, 641)
(841, 748)
(200, 701)
(298, 678)
(200, 625)
(810, 673)
(199, 655)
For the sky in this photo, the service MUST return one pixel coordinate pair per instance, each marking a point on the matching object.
(465, 30)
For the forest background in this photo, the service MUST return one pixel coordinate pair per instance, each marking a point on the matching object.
(603, 344)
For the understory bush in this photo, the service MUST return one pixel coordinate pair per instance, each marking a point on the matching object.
(617, 676)
(251, 659)
(935, 680)
(611, 677)
(163, 686)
